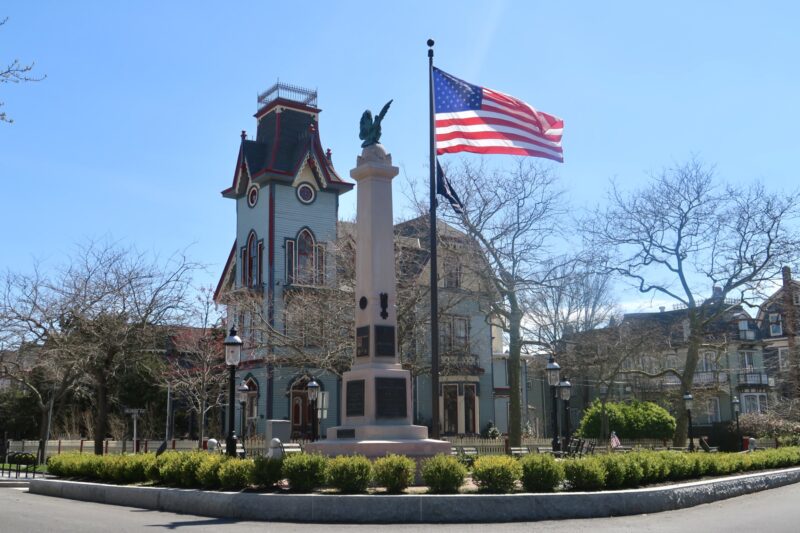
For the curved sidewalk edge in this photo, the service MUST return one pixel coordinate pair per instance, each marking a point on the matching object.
(411, 508)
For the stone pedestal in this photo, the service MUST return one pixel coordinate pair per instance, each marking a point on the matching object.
(376, 393)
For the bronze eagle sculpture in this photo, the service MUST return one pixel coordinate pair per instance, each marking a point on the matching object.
(371, 129)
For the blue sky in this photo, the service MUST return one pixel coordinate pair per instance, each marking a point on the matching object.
(136, 128)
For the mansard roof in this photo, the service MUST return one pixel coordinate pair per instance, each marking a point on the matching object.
(287, 139)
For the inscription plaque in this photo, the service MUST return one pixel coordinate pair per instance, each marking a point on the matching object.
(390, 397)
(362, 341)
(345, 433)
(384, 341)
(355, 398)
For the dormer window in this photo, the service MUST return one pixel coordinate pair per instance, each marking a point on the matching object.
(252, 255)
(305, 260)
(775, 325)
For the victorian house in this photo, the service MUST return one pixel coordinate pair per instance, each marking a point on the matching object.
(286, 195)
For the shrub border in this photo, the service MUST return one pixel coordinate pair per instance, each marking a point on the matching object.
(416, 508)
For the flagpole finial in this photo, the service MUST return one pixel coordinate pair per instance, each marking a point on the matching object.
(430, 43)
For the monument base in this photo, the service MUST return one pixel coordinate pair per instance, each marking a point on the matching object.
(375, 447)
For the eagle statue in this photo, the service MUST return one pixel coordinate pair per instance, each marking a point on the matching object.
(371, 129)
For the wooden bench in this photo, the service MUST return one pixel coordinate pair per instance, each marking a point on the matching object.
(519, 451)
(289, 448)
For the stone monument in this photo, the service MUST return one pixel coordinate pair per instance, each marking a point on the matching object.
(376, 392)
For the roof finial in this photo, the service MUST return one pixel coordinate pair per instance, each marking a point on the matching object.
(329, 154)
(244, 135)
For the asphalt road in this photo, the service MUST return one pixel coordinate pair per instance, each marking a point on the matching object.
(773, 511)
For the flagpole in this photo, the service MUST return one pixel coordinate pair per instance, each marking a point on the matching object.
(434, 273)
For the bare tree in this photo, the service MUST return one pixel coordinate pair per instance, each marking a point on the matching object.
(513, 218)
(580, 299)
(104, 315)
(40, 351)
(15, 72)
(681, 235)
(196, 367)
(316, 323)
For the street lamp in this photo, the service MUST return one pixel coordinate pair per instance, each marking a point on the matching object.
(243, 390)
(735, 403)
(233, 354)
(313, 391)
(553, 371)
(688, 402)
(565, 391)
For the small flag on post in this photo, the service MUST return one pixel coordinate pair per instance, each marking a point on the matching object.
(475, 119)
(443, 188)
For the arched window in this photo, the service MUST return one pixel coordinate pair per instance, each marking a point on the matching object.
(305, 260)
(251, 261)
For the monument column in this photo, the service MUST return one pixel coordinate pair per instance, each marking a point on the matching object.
(376, 393)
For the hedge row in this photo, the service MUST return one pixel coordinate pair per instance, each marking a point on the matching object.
(304, 472)
(442, 474)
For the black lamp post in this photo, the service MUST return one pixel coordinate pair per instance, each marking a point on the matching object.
(313, 391)
(233, 354)
(565, 391)
(688, 401)
(243, 390)
(553, 371)
(735, 403)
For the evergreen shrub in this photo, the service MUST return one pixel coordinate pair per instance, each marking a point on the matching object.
(630, 420)
(304, 471)
(585, 474)
(395, 472)
(496, 473)
(351, 474)
(208, 470)
(541, 473)
(267, 471)
(443, 474)
(235, 473)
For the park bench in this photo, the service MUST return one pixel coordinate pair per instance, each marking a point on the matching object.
(519, 451)
(589, 449)
(19, 463)
(706, 448)
(290, 448)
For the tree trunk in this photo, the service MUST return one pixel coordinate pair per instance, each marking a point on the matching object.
(101, 415)
(687, 380)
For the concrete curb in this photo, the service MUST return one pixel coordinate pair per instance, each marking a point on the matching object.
(418, 508)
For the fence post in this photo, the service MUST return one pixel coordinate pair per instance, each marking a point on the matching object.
(81, 448)
(173, 444)
(59, 447)
(106, 448)
(145, 445)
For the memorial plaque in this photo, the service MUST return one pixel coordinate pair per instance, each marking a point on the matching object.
(390, 398)
(345, 433)
(362, 341)
(384, 341)
(355, 398)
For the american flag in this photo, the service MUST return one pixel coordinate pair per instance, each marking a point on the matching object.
(475, 119)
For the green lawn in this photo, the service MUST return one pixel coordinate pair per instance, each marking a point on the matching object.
(39, 468)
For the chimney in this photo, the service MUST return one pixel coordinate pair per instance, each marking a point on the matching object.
(662, 308)
(612, 322)
(787, 276)
(717, 291)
